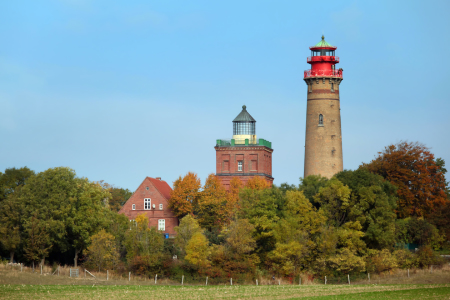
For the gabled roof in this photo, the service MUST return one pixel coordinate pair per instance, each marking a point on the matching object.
(162, 187)
(244, 116)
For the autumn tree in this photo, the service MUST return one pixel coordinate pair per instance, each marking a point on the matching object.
(211, 208)
(186, 191)
(102, 252)
(144, 246)
(197, 250)
(236, 185)
(295, 233)
(187, 228)
(257, 183)
(415, 171)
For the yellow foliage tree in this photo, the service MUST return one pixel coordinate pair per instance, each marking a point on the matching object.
(102, 252)
(185, 193)
(197, 250)
(257, 183)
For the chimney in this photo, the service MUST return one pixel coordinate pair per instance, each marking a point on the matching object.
(159, 178)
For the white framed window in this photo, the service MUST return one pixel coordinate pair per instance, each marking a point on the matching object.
(147, 203)
(162, 225)
(240, 165)
(133, 223)
(161, 207)
(134, 206)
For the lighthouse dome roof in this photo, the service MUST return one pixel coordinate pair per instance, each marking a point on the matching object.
(244, 116)
(322, 45)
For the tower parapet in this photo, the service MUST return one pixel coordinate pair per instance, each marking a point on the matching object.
(323, 139)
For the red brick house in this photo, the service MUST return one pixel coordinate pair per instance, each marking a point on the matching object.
(152, 199)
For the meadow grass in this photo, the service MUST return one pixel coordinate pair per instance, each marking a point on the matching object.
(422, 284)
(225, 292)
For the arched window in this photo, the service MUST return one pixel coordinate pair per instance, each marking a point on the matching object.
(320, 119)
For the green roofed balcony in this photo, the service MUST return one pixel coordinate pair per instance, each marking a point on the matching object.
(243, 143)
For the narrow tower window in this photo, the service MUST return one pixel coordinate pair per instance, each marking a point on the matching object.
(332, 87)
(310, 88)
(320, 120)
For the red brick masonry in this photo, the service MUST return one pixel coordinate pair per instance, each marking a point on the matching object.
(159, 193)
(257, 161)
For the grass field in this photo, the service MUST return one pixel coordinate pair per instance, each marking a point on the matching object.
(359, 292)
(14, 284)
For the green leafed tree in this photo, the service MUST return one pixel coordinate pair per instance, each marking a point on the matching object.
(37, 240)
(372, 203)
(12, 179)
(88, 214)
(11, 227)
(334, 200)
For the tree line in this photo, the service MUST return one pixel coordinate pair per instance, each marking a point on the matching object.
(360, 220)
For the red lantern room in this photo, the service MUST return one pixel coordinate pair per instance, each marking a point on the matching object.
(323, 60)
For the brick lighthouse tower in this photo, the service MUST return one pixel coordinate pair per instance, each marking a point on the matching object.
(323, 145)
(243, 156)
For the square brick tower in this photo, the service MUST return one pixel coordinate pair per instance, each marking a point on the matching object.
(243, 156)
(323, 145)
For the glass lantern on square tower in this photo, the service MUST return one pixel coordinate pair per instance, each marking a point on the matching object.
(244, 127)
(244, 156)
(323, 139)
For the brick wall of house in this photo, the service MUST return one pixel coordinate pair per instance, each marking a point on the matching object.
(159, 193)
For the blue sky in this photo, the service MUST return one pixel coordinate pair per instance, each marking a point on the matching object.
(120, 90)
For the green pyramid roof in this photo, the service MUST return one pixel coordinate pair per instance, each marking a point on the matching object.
(322, 43)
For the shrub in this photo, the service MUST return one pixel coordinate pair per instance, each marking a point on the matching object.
(380, 261)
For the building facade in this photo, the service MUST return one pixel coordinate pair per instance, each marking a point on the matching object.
(244, 156)
(323, 141)
(152, 199)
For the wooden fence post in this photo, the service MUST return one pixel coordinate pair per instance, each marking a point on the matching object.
(348, 278)
(368, 275)
(325, 279)
(256, 281)
(408, 273)
(206, 280)
(41, 269)
(107, 275)
(129, 276)
(299, 281)
(156, 278)
(231, 281)
(279, 282)
(182, 279)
